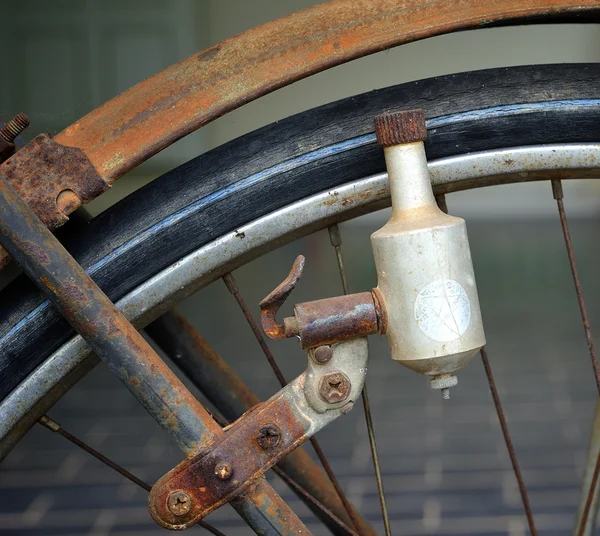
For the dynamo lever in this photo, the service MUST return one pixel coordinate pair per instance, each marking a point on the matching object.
(273, 302)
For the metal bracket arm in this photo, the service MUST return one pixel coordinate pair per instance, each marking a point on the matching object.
(52, 179)
(261, 437)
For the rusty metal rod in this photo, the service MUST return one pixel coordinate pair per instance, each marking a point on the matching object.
(231, 395)
(126, 352)
(229, 281)
(337, 526)
(508, 440)
(335, 238)
(53, 426)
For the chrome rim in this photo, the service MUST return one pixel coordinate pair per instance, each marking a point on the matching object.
(210, 262)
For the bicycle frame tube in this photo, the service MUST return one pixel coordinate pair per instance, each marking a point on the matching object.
(126, 352)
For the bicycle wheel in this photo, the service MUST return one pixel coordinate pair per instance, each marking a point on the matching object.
(329, 150)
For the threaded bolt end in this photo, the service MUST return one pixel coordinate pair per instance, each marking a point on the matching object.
(397, 128)
(443, 381)
(14, 127)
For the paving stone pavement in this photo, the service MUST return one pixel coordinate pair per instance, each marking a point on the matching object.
(445, 465)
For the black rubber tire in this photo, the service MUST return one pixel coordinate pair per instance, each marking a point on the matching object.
(258, 173)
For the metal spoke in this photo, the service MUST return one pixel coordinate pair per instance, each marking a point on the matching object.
(57, 428)
(336, 241)
(558, 195)
(299, 489)
(233, 288)
(508, 440)
(441, 201)
(557, 191)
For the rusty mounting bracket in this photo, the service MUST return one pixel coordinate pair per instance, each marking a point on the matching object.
(325, 321)
(52, 179)
(262, 436)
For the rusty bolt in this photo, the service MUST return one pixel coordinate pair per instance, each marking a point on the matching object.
(14, 127)
(268, 436)
(223, 470)
(67, 201)
(179, 503)
(323, 354)
(335, 387)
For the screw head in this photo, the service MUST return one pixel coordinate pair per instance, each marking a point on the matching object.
(323, 354)
(335, 387)
(223, 470)
(268, 436)
(179, 503)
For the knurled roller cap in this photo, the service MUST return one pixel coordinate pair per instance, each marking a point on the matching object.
(397, 128)
(443, 383)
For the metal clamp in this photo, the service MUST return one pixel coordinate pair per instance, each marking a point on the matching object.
(261, 437)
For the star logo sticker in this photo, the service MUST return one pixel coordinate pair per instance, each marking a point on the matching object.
(442, 310)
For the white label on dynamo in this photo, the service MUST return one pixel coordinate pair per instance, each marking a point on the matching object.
(442, 310)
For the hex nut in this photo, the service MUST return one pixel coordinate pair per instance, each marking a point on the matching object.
(335, 387)
(179, 503)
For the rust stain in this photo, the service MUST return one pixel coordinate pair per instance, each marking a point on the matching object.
(208, 54)
(44, 169)
(35, 251)
(99, 148)
(47, 283)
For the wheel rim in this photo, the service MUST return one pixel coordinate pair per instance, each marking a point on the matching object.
(208, 263)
